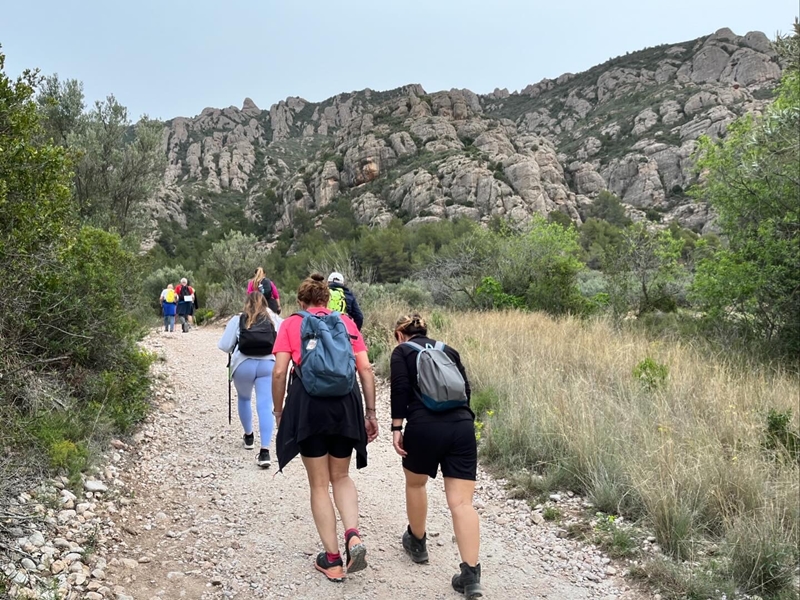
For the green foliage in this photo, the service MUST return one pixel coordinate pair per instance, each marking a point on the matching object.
(61, 106)
(484, 401)
(119, 167)
(779, 435)
(542, 265)
(491, 293)
(598, 239)
(644, 270)
(551, 513)
(608, 208)
(616, 540)
(155, 282)
(230, 263)
(70, 368)
(651, 374)
(753, 182)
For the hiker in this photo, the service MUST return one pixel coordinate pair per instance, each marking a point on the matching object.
(439, 431)
(343, 300)
(249, 338)
(185, 304)
(261, 283)
(324, 425)
(169, 301)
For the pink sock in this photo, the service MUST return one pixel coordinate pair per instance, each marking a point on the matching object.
(333, 557)
(347, 533)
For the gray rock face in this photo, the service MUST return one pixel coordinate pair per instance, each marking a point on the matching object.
(629, 126)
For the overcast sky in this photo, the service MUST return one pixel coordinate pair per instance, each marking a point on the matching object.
(172, 58)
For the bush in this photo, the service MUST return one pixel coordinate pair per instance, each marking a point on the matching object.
(650, 374)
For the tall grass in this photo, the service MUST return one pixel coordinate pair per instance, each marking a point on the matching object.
(679, 443)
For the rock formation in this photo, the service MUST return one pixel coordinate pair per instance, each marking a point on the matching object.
(629, 126)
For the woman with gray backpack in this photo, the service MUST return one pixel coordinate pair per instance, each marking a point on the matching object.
(430, 392)
(248, 339)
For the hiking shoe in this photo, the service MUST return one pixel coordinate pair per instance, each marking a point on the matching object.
(417, 549)
(468, 582)
(263, 458)
(356, 553)
(334, 571)
(249, 440)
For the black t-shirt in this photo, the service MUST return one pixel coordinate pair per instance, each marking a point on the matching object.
(406, 396)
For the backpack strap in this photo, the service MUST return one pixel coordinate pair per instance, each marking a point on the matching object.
(415, 346)
(439, 346)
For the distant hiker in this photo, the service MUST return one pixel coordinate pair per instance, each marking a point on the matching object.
(169, 301)
(343, 300)
(323, 418)
(261, 283)
(430, 391)
(249, 337)
(186, 301)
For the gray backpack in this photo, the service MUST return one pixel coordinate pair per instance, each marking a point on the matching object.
(439, 379)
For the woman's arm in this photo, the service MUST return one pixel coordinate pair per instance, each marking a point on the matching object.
(402, 390)
(279, 373)
(367, 378)
(231, 335)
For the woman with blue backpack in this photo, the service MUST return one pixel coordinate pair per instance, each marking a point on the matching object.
(430, 392)
(323, 417)
(248, 339)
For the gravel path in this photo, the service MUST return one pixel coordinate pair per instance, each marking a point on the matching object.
(206, 522)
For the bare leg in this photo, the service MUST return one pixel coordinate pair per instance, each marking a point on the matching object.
(321, 505)
(416, 502)
(466, 524)
(345, 494)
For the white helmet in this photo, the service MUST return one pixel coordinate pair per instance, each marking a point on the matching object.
(336, 277)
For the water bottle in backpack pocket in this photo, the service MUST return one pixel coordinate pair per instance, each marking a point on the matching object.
(327, 363)
(440, 382)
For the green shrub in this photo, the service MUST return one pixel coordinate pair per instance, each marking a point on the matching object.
(202, 315)
(551, 513)
(617, 541)
(779, 435)
(650, 374)
(484, 401)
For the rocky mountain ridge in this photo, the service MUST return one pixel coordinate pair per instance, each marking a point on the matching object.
(629, 125)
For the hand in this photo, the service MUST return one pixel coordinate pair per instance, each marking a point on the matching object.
(372, 429)
(397, 442)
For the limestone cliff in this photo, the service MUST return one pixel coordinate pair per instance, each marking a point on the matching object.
(629, 125)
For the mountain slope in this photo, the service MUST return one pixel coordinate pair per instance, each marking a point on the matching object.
(628, 125)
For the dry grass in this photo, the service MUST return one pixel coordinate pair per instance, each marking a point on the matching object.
(685, 455)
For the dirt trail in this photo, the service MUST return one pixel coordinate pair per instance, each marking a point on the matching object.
(206, 522)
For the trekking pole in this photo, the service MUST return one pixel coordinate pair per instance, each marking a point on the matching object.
(230, 402)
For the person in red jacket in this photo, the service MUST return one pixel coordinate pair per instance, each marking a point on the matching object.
(185, 309)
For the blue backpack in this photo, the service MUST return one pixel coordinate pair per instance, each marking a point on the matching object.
(327, 363)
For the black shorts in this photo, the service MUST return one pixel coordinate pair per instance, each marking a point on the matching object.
(337, 446)
(451, 444)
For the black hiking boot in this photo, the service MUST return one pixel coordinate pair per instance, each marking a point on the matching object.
(334, 570)
(468, 582)
(417, 549)
(249, 440)
(263, 458)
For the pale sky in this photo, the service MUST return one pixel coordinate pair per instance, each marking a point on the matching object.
(173, 58)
